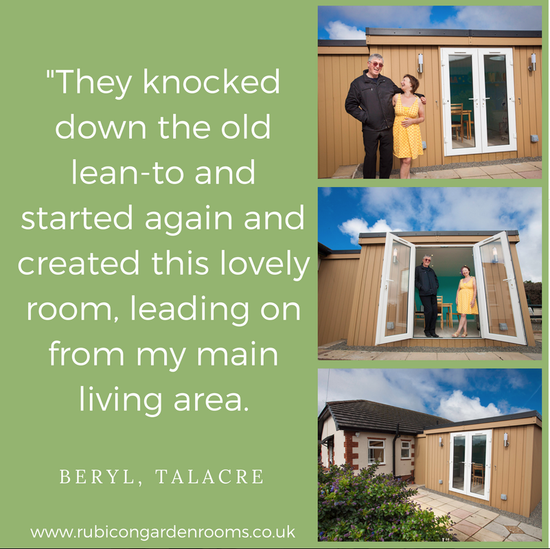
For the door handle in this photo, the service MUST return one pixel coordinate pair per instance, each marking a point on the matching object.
(508, 279)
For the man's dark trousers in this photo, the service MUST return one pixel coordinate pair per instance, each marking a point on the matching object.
(370, 140)
(430, 312)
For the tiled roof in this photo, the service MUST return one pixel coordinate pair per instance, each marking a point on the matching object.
(364, 415)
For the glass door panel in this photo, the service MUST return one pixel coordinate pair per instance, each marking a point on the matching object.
(496, 104)
(395, 309)
(477, 468)
(499, 306)
(462, 101)
(459, 461)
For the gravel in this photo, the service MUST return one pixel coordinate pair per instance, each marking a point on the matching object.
(345, 347)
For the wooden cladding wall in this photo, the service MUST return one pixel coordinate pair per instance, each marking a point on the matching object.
(516, 470)
(364, 311)
(340, 138)
(335, 293)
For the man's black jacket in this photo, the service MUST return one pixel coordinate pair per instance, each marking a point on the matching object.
(425, 280)
(370, 101)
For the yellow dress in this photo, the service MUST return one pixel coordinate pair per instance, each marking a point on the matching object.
(407, 142)
(465, 295)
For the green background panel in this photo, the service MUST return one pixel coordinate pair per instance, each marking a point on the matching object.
(43, 430)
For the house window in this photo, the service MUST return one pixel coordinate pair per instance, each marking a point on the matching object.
(405, 449)
(377, 451)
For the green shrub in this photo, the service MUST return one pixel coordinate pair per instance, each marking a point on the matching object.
(372, 507)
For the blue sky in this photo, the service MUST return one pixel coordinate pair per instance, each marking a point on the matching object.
(349, 22)
(345, 212)
(455, 394)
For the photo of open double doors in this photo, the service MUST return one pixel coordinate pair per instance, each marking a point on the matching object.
(499, 306)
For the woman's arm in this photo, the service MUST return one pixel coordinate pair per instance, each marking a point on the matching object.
(394, 99)
(409, 121)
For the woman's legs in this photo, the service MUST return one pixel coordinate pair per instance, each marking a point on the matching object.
(462, 325)
(405, 170)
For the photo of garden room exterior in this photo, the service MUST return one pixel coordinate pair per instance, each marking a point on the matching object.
(367, 297)
(483, 92)
(494, 461)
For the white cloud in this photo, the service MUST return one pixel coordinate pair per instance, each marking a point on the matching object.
(496, 18)
(354, 227)
(459, 407)
(340, 31)
(466, 209)
(385, 16)
(326, 191)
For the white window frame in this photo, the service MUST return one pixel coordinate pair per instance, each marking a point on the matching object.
(383, 448)
(408, 447)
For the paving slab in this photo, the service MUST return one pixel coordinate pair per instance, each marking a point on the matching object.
(334, 355)
(476, 509)
(448, 501)
(421, 175)
(345, 172)
(497, 529)
(531, 175)
(496, 170)
(507, 176)
(460, 536)
(362, 355)
(447, 508)
(522, 537)
(392, 356)
(531, 530)
(506, 521)
(537, 165)
(470, 172)
(467, 507)
(521, 167)
(532, 356)
(467, 527)
(478, 177)
(479, 520)
(462, 514)
(510, 356)
(486, 535)
(422, 356)
(451, 356)
(486, 513)
(443, 174)
(482, 356)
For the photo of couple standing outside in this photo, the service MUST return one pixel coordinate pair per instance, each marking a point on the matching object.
(390, 117)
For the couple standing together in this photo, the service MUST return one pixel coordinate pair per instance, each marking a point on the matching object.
(426, 281)
(390, 115)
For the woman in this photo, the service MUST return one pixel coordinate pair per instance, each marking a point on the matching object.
(409, 112)
(465, 300)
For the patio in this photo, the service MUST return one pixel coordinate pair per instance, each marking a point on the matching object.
(506, 169)
(473, 522)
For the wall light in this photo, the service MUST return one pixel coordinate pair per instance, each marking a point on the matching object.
(495, 255)
(357, 434)
(533, 65)
(506, 443)
(440, 441)
(395, 255)
(421, 63)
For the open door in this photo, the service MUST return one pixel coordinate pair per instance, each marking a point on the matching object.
(499, 306)
(396, 304)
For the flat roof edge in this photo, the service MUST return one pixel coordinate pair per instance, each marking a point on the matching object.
(454, 32)
(509, 417)
(439, 233)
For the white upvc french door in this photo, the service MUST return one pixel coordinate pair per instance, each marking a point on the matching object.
(499, 307)
(396, 304)
(470, 463)
(478, 100)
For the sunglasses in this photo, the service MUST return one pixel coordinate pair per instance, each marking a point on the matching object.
(375, 64)
(427, 260)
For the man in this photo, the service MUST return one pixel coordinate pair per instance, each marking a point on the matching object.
(370, 101)
(426, 281)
